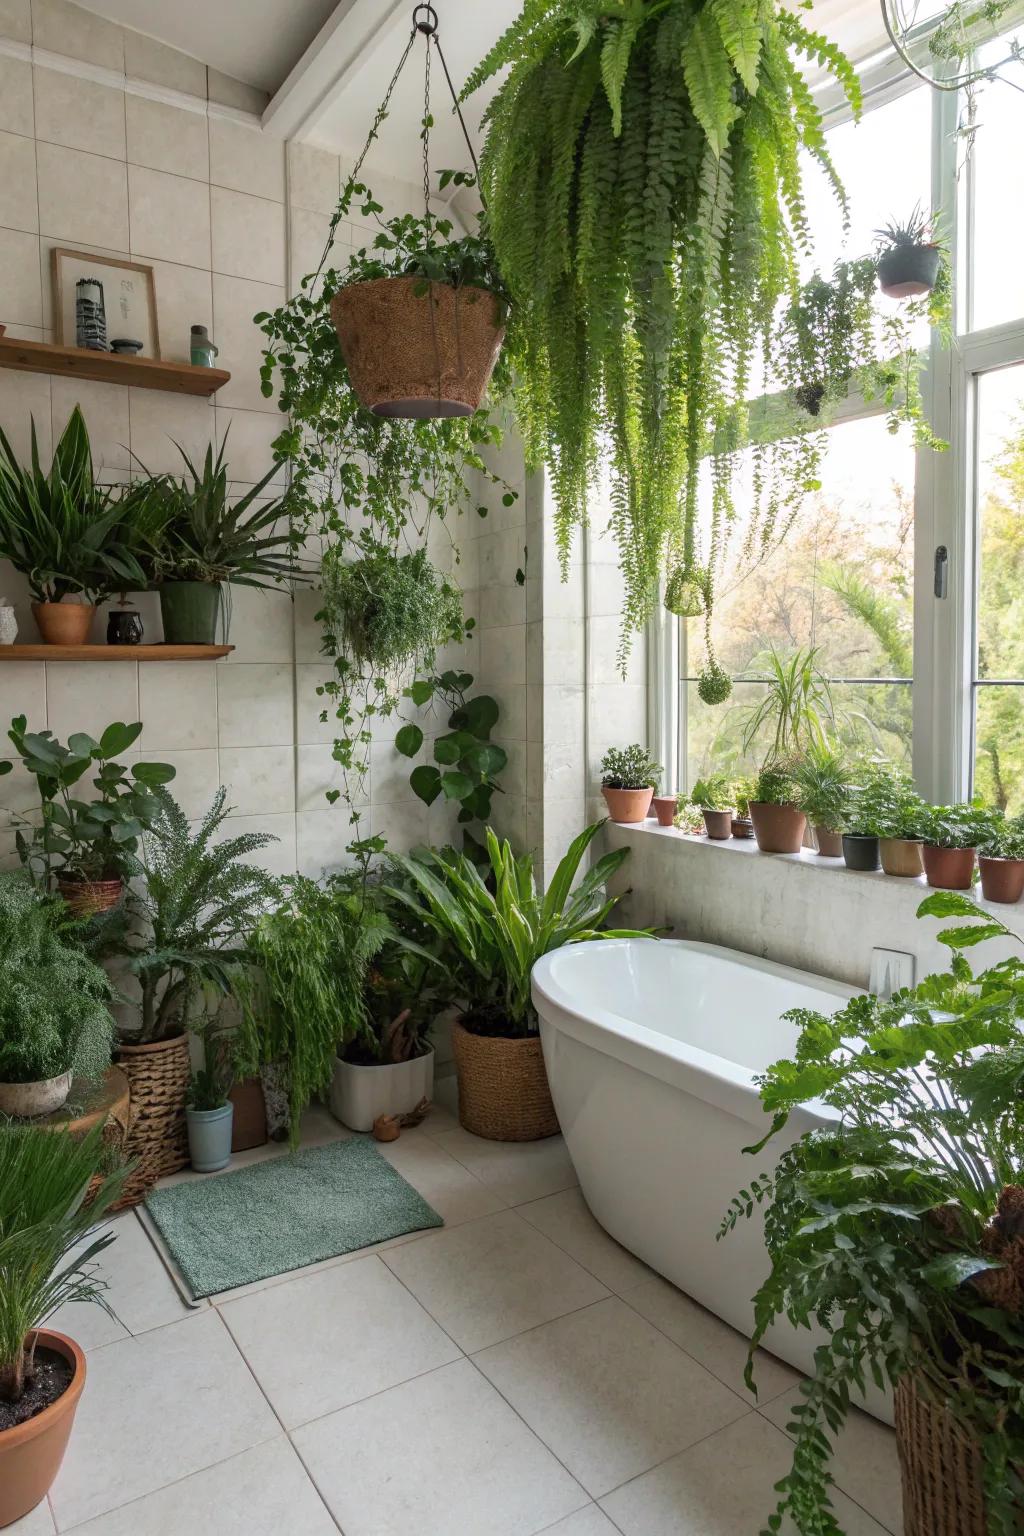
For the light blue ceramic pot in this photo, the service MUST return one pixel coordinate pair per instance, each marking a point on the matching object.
(209, 1137)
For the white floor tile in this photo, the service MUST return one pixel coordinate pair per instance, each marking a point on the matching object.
(566, 1220)
(455, 1193)
(491, 1279)
(608, 1393)
(517, 1171)
(38, 1523)
(719, 1348)
(443, 1455)
(322, 1341)
(139, 1290)
(865, 1464)
(721, 1487)
(262, 1492)
(156, 1409)
(588, 1522)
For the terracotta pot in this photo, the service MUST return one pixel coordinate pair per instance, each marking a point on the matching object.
(665, 808)
(418, 349)
(1001, 879)
(27, 1100)
(249, 1127)
(860, 852)
(86, 898)
(718, 824)
(742, 826)
(828, 843)
(901, 856)
(948, 869)
(628, 805)
(64, 623)
(778, 828)
(31, 1453)
(503, 1086)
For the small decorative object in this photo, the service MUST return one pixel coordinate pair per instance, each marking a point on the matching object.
(127, 297)
(125, 346)
(90, 315)
(201, 349)
(387, 1128)
(8, 624)
(124, 627)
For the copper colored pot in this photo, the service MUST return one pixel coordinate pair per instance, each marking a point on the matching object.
(249, 1126)
(718, 824)
(628, 805)
(829, 844)
(665, 808)
(1001, 879)
(31, 1453)
(901, 856)
(948, 869)
(88, 897)
(63, 623)
(778, 828)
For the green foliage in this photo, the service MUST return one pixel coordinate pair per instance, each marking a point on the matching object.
(493, 930)
(775, 785)
(387, 611)
(1004, 838)
(956, 826)
(715, 793)
(408, 246)
(714, 684)
(796, 710)
(54, 1016)
(882, 613)
(47, 1236)
(629, 768)
(93, 839)
(873, 805)
(468, 759)
(404, 987)
(823, 783)
(643, 178)
(62, 531)
(915, 230)
(895, 1227)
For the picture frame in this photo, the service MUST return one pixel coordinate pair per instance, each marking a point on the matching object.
(129, 292)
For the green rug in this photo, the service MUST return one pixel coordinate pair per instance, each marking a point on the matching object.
(279, 1215)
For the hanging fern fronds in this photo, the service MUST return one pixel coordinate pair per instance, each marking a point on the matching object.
(642, 178)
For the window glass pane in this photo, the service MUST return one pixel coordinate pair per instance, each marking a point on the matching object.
(997, 272)
(999, 747)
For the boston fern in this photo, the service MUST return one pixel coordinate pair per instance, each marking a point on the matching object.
(643, 179)
(898, 1227)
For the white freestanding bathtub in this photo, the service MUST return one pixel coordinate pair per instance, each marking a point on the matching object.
(651, 1049)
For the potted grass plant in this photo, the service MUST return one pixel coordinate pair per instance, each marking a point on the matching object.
(1001, 860)
(209, 1113)
(823, 789)
(779, 822)
(629, 777)
(48, 1245)
(908, 256)
(492, 928)
(742, 825)
(716, 798)
(952, 834)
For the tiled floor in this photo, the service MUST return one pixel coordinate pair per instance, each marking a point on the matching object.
(513, 1373)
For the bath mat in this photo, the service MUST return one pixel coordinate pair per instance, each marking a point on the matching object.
(232, 1228)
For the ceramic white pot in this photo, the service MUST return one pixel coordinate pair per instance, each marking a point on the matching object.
(8, 624)
(26, 1100)
(360, 1094)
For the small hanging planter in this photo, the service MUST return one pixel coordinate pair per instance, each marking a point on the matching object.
(908, 259)
(687, 592)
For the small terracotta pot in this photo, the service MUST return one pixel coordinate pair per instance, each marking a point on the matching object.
(1001, 879)
(742, 826)
(901, 856)
(948, 869)
(860, 852)
(249, 1127)
(31, 1453)
(27, 1100)
(778, 828)
(718, 823)
(628, 805)
(63, 623)
(665, 807)
(828, 843)
(86, 898)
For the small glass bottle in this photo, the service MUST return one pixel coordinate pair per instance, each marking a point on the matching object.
(201, 348)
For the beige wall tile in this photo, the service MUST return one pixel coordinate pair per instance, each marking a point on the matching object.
(166, 138)
(248, 236)
(16, 20)
(178, 704)
(314, 179)
(83, 199)
(255, 705)
(260, 780)
(235, 93)
(159, 421)
(89, 695)
(309, 705)
(24, 398)
(22, 691)
(197, 775)
(322, 837)
(64, 28)
(307, 236)
(105, 408)
(503, 655)
(235, 301)
(146, 59)
(16, 115)
(315, 772)
(247, 436)
(246, 159)
(21, 299)
(170, 217)
(19, 206)
(279, 856)
(261, 626)
(81, 114)
(184, 297)
(308, 634)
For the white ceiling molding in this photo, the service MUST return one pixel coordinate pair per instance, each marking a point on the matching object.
(328, 64)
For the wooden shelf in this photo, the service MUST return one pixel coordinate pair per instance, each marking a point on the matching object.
(113, 652)
(110, 368)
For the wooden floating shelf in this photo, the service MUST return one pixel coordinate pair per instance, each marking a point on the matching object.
(110, 368)
(113, 652)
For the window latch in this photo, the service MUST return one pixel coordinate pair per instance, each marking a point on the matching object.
(941, 571)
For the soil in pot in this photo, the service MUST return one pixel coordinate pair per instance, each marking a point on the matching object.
(665, 807)
(907, 270)
(191, 612)
(901, 856)
(718, 824)
(32, 1449)
(948, 869)
(860, 852)
(52, 1375)
(1001, 879)
(628, 805)
(63, 623)
(778, 828)
(828, 843)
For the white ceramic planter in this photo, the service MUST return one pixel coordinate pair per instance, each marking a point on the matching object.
(8, 624)
(360, 1094)
(26, 1100)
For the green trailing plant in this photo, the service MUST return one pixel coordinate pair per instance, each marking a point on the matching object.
(823, 782)
(93, 839)
(48, 1237)
(797, 709)
(410, 246)
(67, 534)
(717, 792)
(466, 757)
(629, 768)
(642, 172)
(956, 826)
(388, 611)
(897, 1226)
(774, 785)
(54, 1014)
(714, 685)
(492, 930)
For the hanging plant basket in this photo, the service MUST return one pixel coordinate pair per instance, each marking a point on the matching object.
(908, 270)
(686, 594)
(417, 348)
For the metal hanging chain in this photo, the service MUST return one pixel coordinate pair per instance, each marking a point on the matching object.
(425, 135)
(430, 27)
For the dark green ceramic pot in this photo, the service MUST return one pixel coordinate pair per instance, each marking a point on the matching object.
(191, 612)
(860, 852)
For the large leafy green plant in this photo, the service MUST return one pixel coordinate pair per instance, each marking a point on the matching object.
(466, 758)
(643, 179)
(899, 1227)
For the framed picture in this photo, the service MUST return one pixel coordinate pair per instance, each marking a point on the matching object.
(99, 300)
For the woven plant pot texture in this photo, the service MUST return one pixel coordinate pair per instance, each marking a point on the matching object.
(190, 611)
(63, 623)
(778, 828)
(829, 844)
(24, 1101)
(1001, 879)
(948, 869)
(718, 824)
(901, 856)
(940, 1469)
(31, 1453)
(158, 1142)
(86, 898)
(503, 1087)
(628, 805)
(416, 349)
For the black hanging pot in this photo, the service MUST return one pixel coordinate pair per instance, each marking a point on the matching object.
(907, 270)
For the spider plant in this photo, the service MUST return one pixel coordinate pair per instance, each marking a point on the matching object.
(797, 709)
(823, 784)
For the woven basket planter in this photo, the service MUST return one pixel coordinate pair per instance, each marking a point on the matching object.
(158, 1141)
(87, 898)
(503, 1087)
(416, 349)
(940, 1468)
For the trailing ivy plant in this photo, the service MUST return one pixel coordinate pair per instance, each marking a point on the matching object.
(467, 759)
(643, 179)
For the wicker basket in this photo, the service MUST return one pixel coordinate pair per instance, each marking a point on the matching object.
(940, 1467)
(503, 1087)
(418, 353)
(158, 1141)
(88, 898)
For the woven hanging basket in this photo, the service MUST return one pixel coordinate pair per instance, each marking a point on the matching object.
(503, 1087)
(158, 1141)
(940, 1467)
(88, 898)
(418, 349)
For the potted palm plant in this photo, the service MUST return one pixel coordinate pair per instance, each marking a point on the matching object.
(779, 823)
(951, 837)
(716, 797)
(55, 1023)
(908, 256)
(897, 1228)
(72, 538)
(48, 1243)
(1001, 860)
(491, 932)
(823, 788)
(629, 777)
